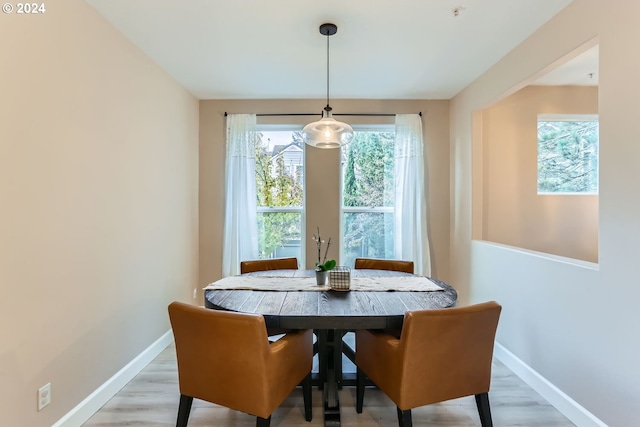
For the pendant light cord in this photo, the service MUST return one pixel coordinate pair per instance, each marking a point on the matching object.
(328, 108)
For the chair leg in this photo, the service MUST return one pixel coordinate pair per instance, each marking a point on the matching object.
(263, 422)
(360, 380)
(404, 417)
(306, 396)
(484, 410)
(183, 410)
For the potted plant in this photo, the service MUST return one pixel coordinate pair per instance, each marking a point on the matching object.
(323, 265)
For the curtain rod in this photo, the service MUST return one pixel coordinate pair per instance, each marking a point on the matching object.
(316, 114)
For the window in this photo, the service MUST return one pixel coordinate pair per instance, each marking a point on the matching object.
(280, 192)
(368, 193)
(567, 154)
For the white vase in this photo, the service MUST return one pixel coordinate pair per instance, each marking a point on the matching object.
(321, 277)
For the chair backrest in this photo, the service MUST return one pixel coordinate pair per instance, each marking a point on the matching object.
(447, 353)
(384, 264)
(268, 264)
(221, 355)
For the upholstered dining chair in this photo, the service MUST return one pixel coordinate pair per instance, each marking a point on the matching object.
(441, 355)
(384, 264)
(372, 264)
(268, 264)
(225, 358)
(251, 266)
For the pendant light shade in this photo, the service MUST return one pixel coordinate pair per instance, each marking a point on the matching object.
(327, 132)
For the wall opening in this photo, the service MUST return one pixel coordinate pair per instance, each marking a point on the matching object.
(508, 206)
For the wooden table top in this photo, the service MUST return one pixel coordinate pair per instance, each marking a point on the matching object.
(331, 309)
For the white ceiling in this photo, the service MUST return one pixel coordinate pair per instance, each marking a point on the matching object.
(384, 49)
(579, 71)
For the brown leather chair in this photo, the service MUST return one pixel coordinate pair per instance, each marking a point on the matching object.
(225, 358)
(372, 264)
(441, 354)
(384, 264)
(268, 264)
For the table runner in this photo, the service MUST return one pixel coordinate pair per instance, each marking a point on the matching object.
(279, 283)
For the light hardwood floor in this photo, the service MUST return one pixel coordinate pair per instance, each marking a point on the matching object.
(151, 399)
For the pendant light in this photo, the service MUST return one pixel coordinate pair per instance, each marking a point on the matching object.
(327, 132)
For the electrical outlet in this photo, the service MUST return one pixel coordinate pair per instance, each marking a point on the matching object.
(44, 396)
(195, 293)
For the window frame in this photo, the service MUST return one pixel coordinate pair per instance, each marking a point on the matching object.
(262, 128)
(389, 128)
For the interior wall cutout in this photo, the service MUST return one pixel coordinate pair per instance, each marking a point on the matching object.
(508, 208)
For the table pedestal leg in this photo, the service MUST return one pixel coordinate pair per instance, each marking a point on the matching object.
(330, 365)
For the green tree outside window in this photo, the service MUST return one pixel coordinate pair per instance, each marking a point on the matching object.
(568, 156)
(279, 177)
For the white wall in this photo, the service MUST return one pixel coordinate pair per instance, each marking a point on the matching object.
(571, 323)
(98, 206)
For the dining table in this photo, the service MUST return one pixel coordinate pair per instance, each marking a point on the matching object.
(291, 299)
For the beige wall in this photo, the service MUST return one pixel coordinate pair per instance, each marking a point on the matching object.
(570, 322)
(322, 171)
(98, 206)
(512, 211)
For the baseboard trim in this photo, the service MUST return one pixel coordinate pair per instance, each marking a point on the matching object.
(556, 397)
(92, 403)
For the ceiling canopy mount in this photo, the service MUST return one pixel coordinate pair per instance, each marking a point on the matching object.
(328, 29)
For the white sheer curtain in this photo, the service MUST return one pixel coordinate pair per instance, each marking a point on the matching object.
(240, 225)
(411, 240)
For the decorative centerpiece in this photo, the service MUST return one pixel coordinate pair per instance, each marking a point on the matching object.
(340, 279)
(322, 265)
